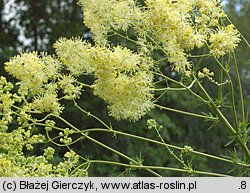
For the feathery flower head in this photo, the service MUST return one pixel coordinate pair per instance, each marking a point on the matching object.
(123, 81)
(74, 55)
(70, 87)
(47, 103)
(103, 15)
(123, 78)
(224, 41)
(33, 71)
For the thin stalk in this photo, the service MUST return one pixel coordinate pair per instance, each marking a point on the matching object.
(231, 92)
(102, 144)
(226, 70)
(133, 136)
(240, 88)
(127, 38)
(220, 94)
(45, 125)
(158, 168)
(223, 119)
(85, 85)
(80, 166)
(160, 60)
(52, 140)
(121, 154)
(171, 151)
(90, 114)
(160, 143)
(185, 112)
(174, 89)
(168, 88)
(159, 47)
(181, 85)
(198, 56)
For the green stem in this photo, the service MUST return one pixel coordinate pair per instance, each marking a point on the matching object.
(158, 168)
(240, 88)
(171, 151)
(80, 166)
(121, 154)
(160, 143)
(223, 119)
(174, 89)
(84, 85)
(185, 112)
(115, 132)
(220, 94)
(231, 91)
(127, 38)
(103, 145)
(159, 47)
(160, 60)
(90, 114)
(181, 85)
(199, 56)
(168, 88)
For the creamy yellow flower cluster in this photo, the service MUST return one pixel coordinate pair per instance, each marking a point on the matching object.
(124, 81)
(104, 15)
(33, 71)
(13, 161)
(224, 41)
(123, 78)
(174, 26)
(69, 54)
(6, 102)
(40, 78)
(15, 164)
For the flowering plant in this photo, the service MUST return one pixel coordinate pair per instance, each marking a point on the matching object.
(131, 82)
